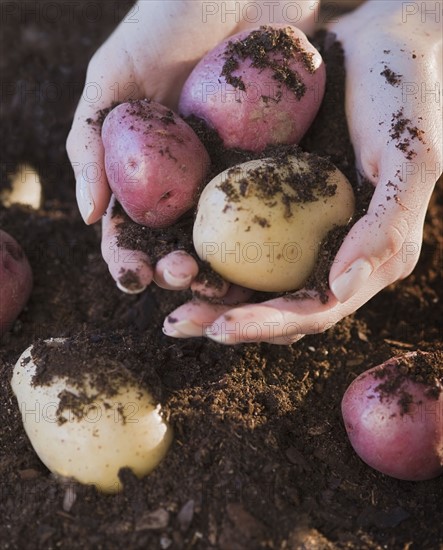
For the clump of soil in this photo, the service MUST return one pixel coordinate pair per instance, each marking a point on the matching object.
(93, 357)
(260, 457)
(392, 78)
(420, 367)
(403, 132)
(157, 242)
(268, 48)
(277, 178)
(87, 361)
(97, 121)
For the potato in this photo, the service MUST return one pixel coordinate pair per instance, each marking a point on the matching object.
(15, 280)
(394, 422)
(155, 163)
(257, 88)
(80, 430)
(260, 223)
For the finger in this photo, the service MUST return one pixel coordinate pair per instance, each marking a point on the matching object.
(204, 287)
(175, 271)
(281, 320)
(129, 268)
(287, 319)
(192, 319)
(107, 69)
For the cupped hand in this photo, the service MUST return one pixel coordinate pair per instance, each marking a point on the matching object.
(149, 55)
(394, 77)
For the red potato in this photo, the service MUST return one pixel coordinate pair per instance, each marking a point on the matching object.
(155, 163)
(394, 422)
(15, 280)
(257, 88)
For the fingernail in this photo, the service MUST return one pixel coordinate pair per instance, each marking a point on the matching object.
(84, 198)
(172, 333)
(221, 335)
(131, 290)
(183, 329)
(347, 284)
(179, 282)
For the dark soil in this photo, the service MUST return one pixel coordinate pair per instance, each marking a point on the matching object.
(268, 48)
(260, 457)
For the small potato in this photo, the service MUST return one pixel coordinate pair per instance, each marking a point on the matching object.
(260, 224)
(154, 161)
(15, 280)
(257, 88)
(394, 422)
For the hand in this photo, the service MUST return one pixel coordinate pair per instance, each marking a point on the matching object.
(395, 125)
(149, 55)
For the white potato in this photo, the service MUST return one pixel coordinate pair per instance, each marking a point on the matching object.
(260, 224)
(96, 436)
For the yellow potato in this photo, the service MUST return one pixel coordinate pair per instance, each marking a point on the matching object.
(260, 224)
(96, 436)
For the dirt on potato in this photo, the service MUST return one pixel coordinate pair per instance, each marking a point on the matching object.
(260, 457)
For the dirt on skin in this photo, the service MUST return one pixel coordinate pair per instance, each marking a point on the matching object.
(260, 457)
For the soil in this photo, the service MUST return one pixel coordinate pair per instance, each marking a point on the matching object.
(417, 366)
(260, 457)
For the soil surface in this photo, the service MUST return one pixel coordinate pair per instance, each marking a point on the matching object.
(260, 457)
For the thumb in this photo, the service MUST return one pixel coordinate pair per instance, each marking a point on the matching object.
(108, 81)
(397, 209)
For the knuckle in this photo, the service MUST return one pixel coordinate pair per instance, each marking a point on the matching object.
(395, 237)
(369, 166)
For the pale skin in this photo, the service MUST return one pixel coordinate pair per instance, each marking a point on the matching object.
(381, 248)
